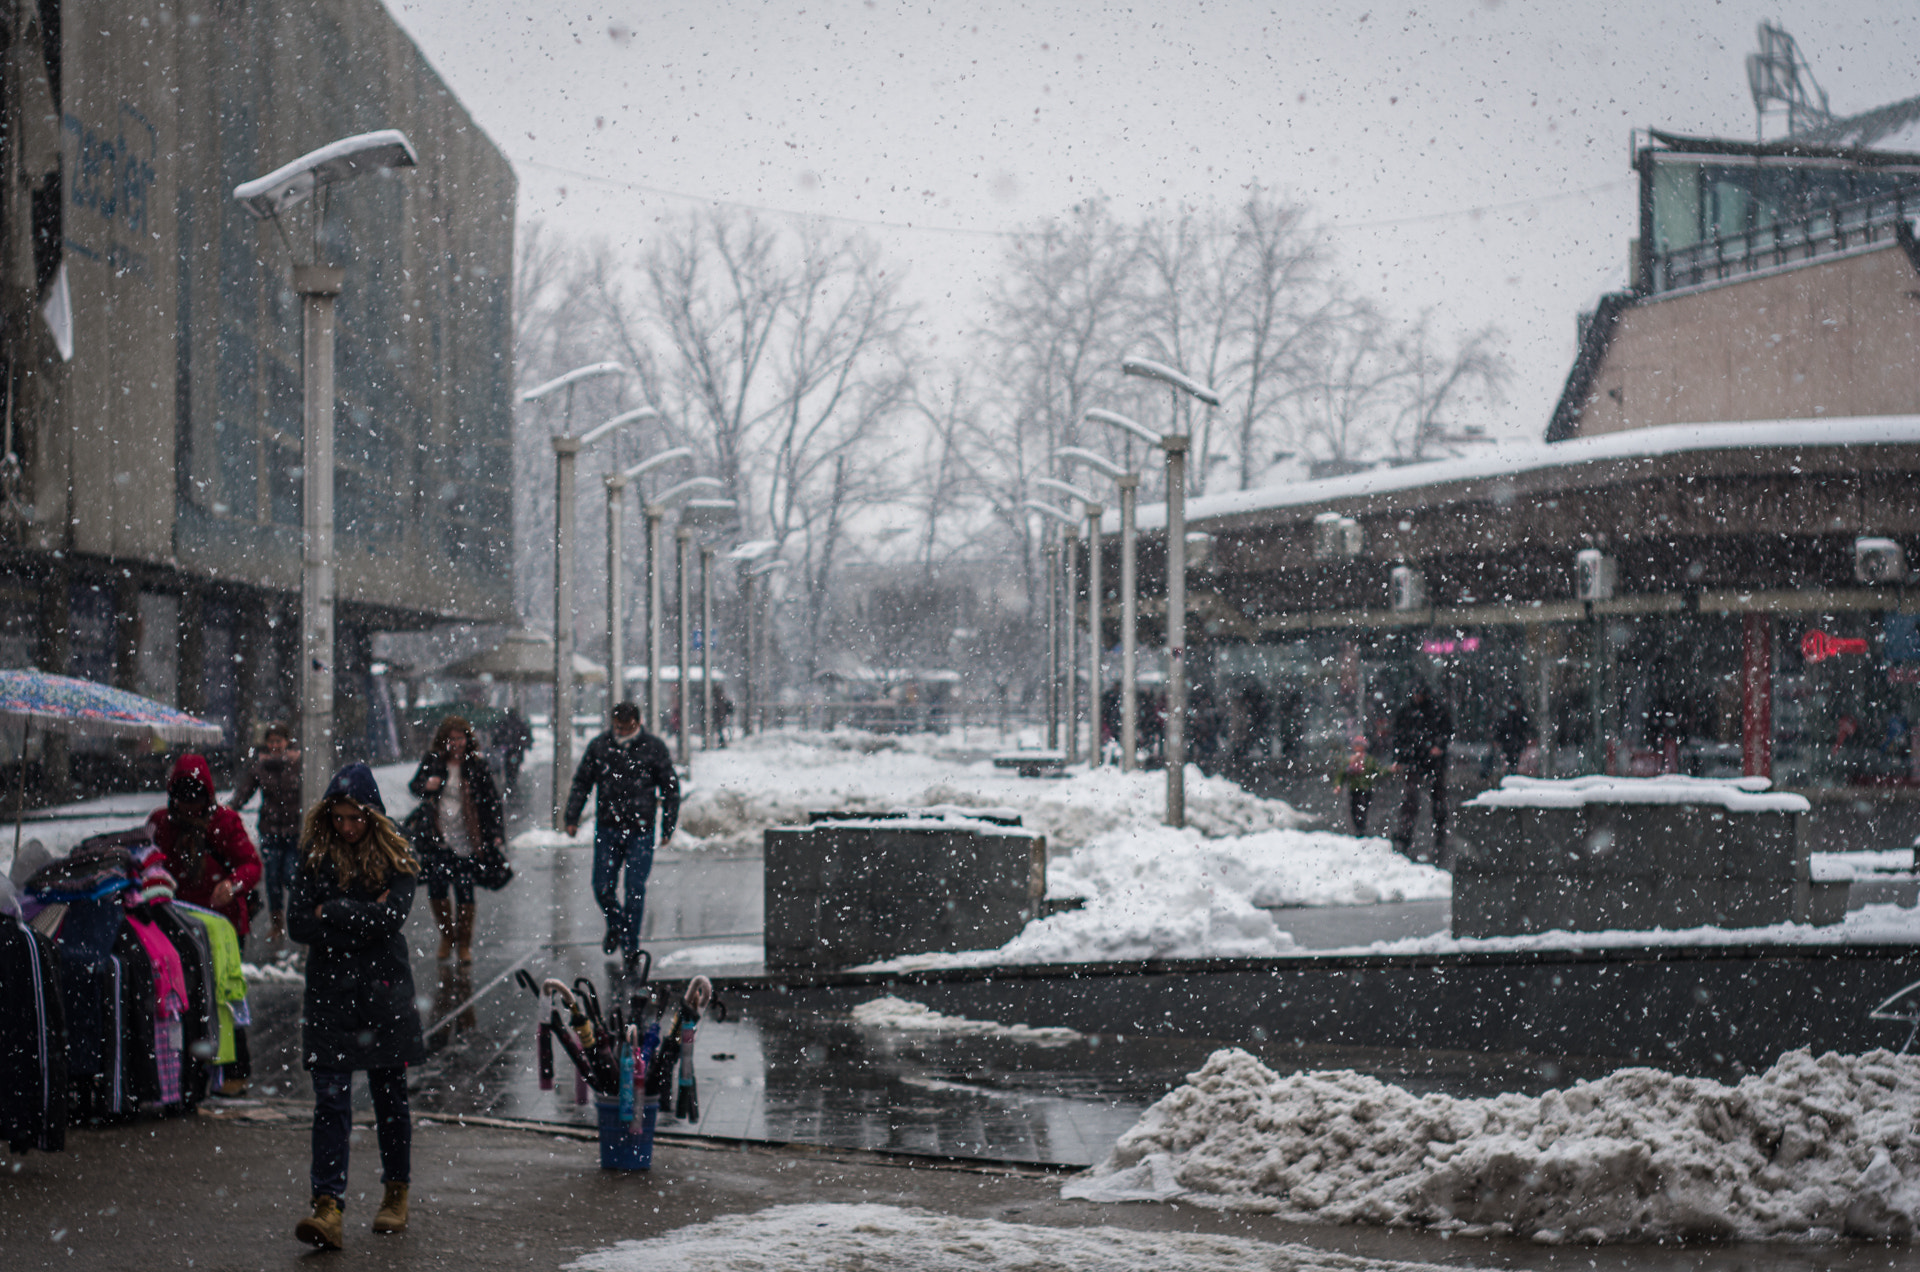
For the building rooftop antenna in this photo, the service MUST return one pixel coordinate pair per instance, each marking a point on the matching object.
(1780, 80)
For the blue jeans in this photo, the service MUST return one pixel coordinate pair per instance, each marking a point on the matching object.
(280, 855)
(616, 848)
(333, 1123)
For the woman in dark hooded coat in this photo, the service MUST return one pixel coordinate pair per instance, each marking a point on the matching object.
(349, 906)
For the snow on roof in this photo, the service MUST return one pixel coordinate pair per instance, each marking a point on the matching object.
(1508, 461)
(1735, 794)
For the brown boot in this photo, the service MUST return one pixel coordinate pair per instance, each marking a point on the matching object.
(279, 931)
(443, 919)
(392, 1216)
(463, 932)
(323, 1227)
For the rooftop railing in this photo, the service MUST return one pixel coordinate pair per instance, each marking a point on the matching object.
(1827, 232)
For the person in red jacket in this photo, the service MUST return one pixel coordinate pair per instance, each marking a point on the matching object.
(214, 865)
(208, 850)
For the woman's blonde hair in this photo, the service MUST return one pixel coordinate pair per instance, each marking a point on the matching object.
(382, 853)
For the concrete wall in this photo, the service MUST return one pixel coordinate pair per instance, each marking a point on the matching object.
(1835, 338)
(174, 434)
(838, 895)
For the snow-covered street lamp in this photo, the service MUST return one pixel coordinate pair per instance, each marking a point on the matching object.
(267, 197)
(1062, 696)
(690, 512)
(656, 511)
(1095, 637)
(565, 448)
(1175, 444)
(1129, 483)
(617, 570)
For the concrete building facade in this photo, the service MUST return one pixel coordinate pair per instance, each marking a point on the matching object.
(150, 534)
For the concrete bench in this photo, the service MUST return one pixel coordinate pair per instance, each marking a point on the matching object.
(1613, 853)
(1032, 763)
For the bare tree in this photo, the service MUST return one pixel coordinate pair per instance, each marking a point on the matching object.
(1437, 381)
(781, 359)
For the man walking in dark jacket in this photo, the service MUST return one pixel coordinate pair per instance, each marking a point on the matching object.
(634, 776)
(1422, 731)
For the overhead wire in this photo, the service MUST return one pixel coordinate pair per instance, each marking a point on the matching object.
(1334, 225)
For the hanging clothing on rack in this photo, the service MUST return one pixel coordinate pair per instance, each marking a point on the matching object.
(33, 1042)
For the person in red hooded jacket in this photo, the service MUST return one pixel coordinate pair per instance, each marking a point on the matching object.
(214, 865)
(209, 853)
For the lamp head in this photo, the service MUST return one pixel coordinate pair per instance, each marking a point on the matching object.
(571, 378)
(292, 184)
(1151, 370)
(1121, 422)
(1099, 463)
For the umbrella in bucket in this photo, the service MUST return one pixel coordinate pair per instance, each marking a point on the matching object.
(67, 704)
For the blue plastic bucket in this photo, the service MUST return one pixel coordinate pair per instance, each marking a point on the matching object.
(620, 1148)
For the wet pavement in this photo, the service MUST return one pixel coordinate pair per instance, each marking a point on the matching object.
(770, 1075)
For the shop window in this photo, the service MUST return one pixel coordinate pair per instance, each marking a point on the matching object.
(1846, 698)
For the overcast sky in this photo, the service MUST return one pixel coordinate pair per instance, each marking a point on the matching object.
(1469, 156)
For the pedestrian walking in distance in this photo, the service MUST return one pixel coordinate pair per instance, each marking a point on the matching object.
(1422, 731)
(632, 777)
(349, 906)
(459, 816)
(274, 771)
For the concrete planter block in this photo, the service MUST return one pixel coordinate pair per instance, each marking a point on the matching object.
(1639, 839)
(850, 892)
(1766, 846)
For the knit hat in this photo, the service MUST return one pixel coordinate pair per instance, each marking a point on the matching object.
(356, 782)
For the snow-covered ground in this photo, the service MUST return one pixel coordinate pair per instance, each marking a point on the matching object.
(777, 778)
(904, 1017)
(1816, 1147)
(820, 1238)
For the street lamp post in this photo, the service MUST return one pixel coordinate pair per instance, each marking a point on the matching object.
(267, 197)
(1096, 642)
(1060, 640)
(706, 646)
(617, 569)
(565, 448)
(753, 572)
(683, 535)
(1129, 483)
(656, 511)
(1175, 444)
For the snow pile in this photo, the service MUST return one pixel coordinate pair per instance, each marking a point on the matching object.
(1155, 892)
(1735, 794)
(776, 779)
(1871, 924)
(1811, 1147)
(272, 973)
(733, 954)
(829, 1237)
(905, 1017)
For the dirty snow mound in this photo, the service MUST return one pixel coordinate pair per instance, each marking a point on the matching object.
(1812, 1147)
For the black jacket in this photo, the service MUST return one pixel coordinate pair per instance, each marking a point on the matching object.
(359, 1011)
(632, 776)
(481, 791)
(1418, 726)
